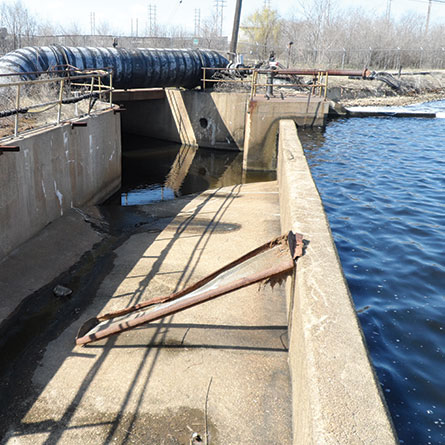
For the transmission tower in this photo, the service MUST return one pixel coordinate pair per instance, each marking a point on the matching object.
(197, 21)
(428, 15)
(152, 19)
(220, 5)
(266, 4)
(92, 23)
(388, 10)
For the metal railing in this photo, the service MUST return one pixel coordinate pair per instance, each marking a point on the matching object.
(318, 85)
(67, 87)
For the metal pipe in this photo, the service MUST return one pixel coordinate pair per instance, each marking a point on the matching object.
(132, 68)
(315, 72)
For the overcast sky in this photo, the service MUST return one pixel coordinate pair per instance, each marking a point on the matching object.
(119, 13)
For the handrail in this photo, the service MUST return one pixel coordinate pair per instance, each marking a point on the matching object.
(319, 85)
(99, 84)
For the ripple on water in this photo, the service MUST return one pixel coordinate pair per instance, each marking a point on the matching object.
(382, 182)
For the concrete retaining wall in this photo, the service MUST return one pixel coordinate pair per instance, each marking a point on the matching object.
(263, 116)
(57, 169)
(212, 120)
(336, 397)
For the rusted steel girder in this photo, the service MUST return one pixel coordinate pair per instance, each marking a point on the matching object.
(283, 251)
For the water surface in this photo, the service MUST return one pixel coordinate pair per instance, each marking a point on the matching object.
(382, 181)
(154, 170)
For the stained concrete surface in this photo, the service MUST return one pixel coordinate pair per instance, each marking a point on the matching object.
(45, 256)
(220, 367)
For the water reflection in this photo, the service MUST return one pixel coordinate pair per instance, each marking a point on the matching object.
(154, 170)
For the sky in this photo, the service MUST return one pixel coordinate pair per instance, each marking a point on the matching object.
(120, 14)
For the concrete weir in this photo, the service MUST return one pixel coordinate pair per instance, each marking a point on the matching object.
(262, 365)
(221, 120)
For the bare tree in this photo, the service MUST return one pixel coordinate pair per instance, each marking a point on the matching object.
(20, 24)
(209, 30)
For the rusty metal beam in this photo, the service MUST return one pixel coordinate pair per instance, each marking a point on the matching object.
(157, 308)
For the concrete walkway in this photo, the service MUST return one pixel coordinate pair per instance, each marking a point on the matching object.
(220, 367)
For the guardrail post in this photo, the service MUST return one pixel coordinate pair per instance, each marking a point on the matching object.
(91, 95)
(111, 90)
(17, 106)
(59, 112)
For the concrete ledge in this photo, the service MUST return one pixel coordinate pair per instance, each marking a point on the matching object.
(336, 396)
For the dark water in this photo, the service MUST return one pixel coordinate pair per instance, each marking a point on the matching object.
(154, 170)
(382, 181)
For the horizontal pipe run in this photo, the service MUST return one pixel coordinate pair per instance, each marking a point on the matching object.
(136, 68)
(315, 72)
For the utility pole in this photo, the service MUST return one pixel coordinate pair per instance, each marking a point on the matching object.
(235, 30)
(428, 15)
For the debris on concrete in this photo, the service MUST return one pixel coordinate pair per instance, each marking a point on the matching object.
(267, 262)
(62, 291)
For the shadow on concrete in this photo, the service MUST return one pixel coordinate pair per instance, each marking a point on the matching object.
(18, 393)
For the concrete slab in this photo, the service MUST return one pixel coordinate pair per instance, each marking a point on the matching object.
(220, 367)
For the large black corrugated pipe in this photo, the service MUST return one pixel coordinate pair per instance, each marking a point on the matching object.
(132, 68)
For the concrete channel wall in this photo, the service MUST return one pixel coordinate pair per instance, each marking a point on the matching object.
(211, 120)
(336, 396)
(221, 120)
(57, 169)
